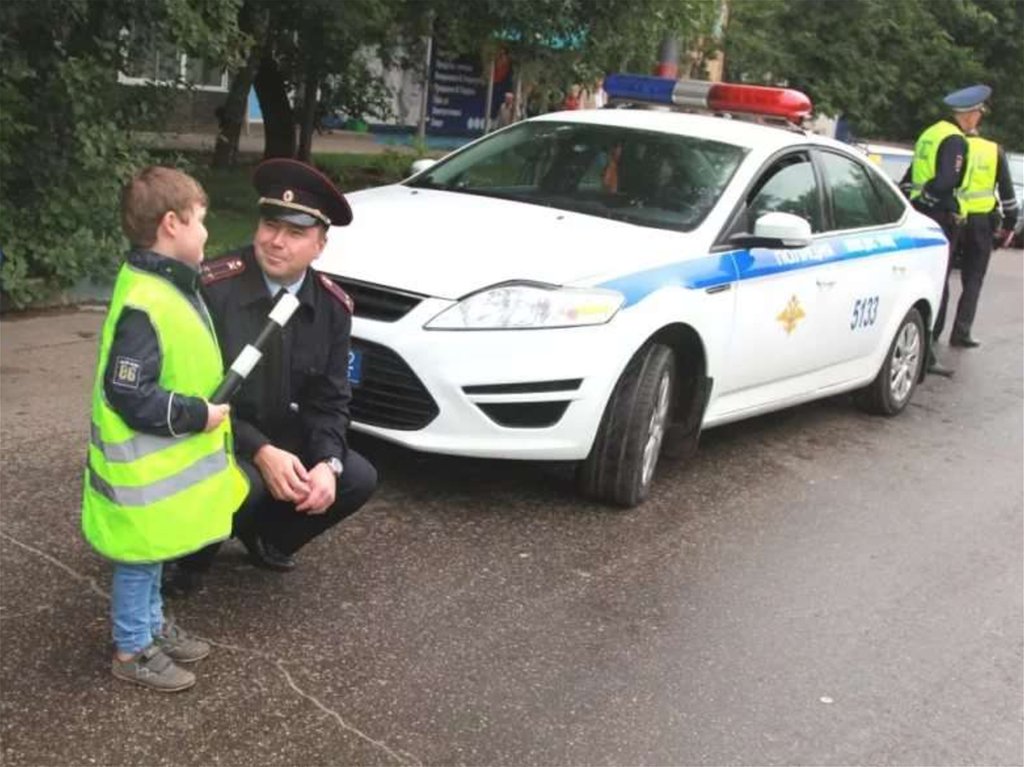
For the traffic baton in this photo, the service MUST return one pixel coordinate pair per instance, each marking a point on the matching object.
(252, 353)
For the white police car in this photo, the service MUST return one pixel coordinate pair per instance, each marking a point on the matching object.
(595, 285)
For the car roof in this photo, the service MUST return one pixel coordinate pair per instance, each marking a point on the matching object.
(767, 138)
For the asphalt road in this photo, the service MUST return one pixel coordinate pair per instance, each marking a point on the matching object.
(816, 587)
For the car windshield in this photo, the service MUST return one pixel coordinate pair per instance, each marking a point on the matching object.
(643, 177)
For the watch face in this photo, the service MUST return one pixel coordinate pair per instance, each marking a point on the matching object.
(335, 466)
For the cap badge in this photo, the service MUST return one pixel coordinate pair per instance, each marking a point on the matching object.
(288, 195)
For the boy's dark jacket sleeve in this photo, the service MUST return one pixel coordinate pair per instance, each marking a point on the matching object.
(130, 382)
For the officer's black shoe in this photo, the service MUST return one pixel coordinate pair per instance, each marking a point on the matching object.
(264, 554)
(179, 583)
(964, 342)
(936, 368)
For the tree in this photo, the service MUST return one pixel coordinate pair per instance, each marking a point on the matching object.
(68, 128)
(885, 64)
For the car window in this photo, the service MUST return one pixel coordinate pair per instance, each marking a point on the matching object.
(856, 202)
(788, 186)
(643, 177)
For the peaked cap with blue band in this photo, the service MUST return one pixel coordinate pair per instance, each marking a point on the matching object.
(968, 99)
(299, 194)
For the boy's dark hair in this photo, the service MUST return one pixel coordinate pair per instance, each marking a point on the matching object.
(152, 193)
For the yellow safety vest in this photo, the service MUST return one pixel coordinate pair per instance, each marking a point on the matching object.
(148, 498)
(926, 151)
(978, 191)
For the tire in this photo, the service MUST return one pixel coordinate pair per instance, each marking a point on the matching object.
(894, 385)
(620, 467)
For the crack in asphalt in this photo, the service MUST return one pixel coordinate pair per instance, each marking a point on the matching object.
(403, 758)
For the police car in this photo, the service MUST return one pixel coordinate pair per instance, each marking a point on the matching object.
(599, 286)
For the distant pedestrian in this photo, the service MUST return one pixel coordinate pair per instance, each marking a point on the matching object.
(506, 112)
(161, 479)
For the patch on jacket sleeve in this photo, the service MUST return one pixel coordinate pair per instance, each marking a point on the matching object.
(332, 287)
(215, 271)
(126, 372)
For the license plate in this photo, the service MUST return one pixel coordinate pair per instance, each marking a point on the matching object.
(355, 367)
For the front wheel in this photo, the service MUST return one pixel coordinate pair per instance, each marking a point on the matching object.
(620, 467)
(892, 388)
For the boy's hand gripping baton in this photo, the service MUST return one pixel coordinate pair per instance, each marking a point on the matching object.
(252, 353)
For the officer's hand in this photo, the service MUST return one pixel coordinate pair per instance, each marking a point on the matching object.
(1004, 237)
(285, 476)
(323, 485)
(215, 415)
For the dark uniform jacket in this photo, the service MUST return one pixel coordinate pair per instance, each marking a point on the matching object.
(138, 398)
(306, 410)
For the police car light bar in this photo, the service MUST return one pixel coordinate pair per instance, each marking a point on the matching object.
(716, 97)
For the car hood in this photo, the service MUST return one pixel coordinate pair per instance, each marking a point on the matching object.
(448, 244)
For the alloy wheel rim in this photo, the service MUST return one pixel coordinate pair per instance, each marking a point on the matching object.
(906, 355)
(656, 428)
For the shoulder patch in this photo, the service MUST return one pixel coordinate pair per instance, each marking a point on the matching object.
(332, 287)
(126, 372)
(215, 271)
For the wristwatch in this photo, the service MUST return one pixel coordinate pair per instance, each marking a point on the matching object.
(334, 464)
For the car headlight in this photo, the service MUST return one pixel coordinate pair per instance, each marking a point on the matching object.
(513, 307)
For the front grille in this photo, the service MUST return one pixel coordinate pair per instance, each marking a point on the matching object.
(524, 415)
(389, 394)
(375, 302)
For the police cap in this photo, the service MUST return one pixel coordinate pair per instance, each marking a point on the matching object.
(968, 99)
(299, 194)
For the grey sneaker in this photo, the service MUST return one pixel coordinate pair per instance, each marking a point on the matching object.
(153, 669)
(179, 646)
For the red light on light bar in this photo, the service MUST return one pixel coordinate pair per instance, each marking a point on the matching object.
(759, 99)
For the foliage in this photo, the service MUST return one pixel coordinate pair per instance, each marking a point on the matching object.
(885, 64)
(66, 128)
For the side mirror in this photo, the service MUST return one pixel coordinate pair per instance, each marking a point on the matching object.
(776, 230)
(421, 165)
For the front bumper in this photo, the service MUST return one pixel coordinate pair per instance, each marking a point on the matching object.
(526, 394)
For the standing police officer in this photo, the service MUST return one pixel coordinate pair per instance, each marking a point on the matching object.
(290, 416)
(987, 168)
(936, 174)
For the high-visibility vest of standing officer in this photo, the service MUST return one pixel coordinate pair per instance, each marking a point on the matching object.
(926, 152)
(978, 191)
(149, 498)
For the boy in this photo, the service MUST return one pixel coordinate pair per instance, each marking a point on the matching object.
(161, 479)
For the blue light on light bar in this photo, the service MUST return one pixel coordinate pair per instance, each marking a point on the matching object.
(655, 90)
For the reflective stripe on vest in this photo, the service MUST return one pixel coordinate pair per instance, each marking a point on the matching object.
(978, 192)
(143, 495)
(926, 152)
(149, 498)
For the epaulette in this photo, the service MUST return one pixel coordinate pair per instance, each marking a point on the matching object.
(335, 290)
(215, 271)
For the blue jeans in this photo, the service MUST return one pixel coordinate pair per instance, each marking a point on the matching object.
(136, 609)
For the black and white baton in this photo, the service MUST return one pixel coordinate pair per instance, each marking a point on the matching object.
(252, 353)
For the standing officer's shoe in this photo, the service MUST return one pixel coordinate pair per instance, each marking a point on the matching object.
(964, 342)
(264, 554)
(937, 368)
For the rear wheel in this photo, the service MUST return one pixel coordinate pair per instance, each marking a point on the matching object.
(892, 388)
(620, 467)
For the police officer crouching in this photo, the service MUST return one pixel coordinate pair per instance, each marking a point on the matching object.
(291, 415)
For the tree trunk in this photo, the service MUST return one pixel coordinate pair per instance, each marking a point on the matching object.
(231, 114)
(278, 117)
(307, 125)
